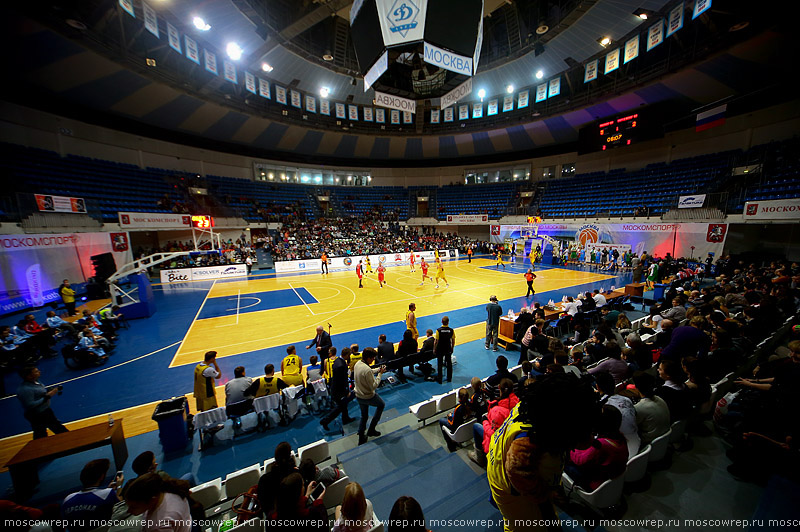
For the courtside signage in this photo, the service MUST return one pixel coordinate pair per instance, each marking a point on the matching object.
(154, 219)
(447, 60)
(395, 102)
(787, 209)
(182, 275)
(468, 218)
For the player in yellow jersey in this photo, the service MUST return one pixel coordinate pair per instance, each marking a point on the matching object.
(367, 265)
(440, 273)
(436, 253)
(292, 368)
(411, 320)
(499, 261)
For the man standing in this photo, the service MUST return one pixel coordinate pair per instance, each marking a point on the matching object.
(366, 385)
(469, 254)
(204, 374)
(360, 274)
(35, 399)
(411, 320)
(236, 389)
(636, 264)
(323, 343)
(443, 347)
(324, 259)
(339, 389)
(411, 261)
(529, 277)
(424, 267)
(493, 311)
(68, 297)
(249, 263)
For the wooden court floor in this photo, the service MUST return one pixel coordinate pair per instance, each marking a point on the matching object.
(242, 316)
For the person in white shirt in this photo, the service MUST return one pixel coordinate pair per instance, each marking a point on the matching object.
(599, 299)
(164, 503)
(235, 388)
(571, 307)
(366, 385)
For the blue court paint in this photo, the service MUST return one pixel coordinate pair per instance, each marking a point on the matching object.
(217, 307)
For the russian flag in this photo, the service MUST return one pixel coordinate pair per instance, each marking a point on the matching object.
(711, 118)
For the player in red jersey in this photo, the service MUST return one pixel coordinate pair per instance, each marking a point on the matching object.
(360, 273)
(411, 262)
(424, 267)
(381, 270)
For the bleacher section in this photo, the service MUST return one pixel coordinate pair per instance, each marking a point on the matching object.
(475, 199)
(362, 200)
(619, 193)
(240, 195)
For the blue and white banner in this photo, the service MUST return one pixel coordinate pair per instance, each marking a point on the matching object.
(402, 21)
(150, 19)
(554, 87)
(367, 113)
(449, 114)
(435, 116)
(508, 104)
(612, 61)
(477, 110)
(311, 104)
(211, 62)
(230, 71)
(325, 107)
(191, 49)
(352, 112)
(127, 5)
(448, 60)
(463, 112)
(173, 37)
(631, 50)
(341, 112)
(491, 109)
(700, 7)
(296, 99)
(675, 20)
(522, 99)
(541, 92)
(250, 82)
(380, 115)
(407, 117)
(395, 116)
(456, 94)
(263, 88)
(590, 71)
(376, 71)
(280, 94)
(655, 35)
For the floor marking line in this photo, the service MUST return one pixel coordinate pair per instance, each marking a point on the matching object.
(195, 319)
(238, 302)
(301, 299)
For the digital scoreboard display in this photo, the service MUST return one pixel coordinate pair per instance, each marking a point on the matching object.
(202, 221)
(621, 131)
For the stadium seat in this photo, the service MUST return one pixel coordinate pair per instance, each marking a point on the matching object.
(659, 447)
(209, 493)
(242, 480)
(317, 451)
(636, 468)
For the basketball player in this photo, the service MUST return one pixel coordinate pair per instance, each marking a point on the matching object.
(368, 265)
(499, 261)
(411, 320)
(360, 274)
(291, 368)
(411, 262)
(381, 271)
(424, 267)
(440, 273)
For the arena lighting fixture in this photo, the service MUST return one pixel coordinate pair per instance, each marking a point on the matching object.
(643, 16)
(481, 94)
(510, 89)
(324, 91)
(200, 24)
(539, 74)
(266, 67)
(604, 41)
(234, 51)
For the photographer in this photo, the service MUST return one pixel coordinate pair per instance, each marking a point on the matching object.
(35, 399)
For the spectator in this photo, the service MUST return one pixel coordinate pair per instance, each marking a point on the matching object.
(493, 382)
(92, 503)
(607, 388)
(673, 391)
(614, 364)
(595, 460)
(269, 483)
(652, 413)
(497, 413)
(637, 354)
(355, 512)
(237, 388)
(688, 340)
(327, 475)
(292, 506)
(35, 399)
(406, 516)
(479, 402)
(458, 417)
(493, 311)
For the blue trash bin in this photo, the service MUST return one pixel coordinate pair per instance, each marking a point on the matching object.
(172, 427)
(658, 291)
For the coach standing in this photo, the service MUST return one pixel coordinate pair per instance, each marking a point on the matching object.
(35, 401)
(366, 384)
(493, 311)
(443, 347)
(323, 342)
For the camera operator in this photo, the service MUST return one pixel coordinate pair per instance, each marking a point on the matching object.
(35, 399)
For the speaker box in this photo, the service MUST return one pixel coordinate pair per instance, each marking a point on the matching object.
(104, 266)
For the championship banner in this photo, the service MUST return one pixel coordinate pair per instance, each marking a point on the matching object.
(127, 5)
(700, 7)
(435, 116)
(541, 92)
(32, 266)
(655, 35)
(296, 100)
(192, 52)
(150, 19)
(280, 94)
(250, 82)
(468, 219)
(449, 114)
(47, 203)
(352, 112)
(785, 209)
(463, 112)
(394, 115)
(631, 50)
(691, 202)
(263, 88)
(325, 107)
(491, 109)
(154, 220)
(340, 110)
(477, 110)
(408, 118)
(508, 104)
(590, 73)
(522, 99)
(367, 114)
(380, 116)
(311, 104)
(230, 71)
(675, 20)
(612, 61)
(173, 37)
(554, 87)
(210, 62)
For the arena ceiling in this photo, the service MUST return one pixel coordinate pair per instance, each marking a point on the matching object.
(89, 58)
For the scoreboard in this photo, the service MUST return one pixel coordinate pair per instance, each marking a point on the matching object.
(621, 131)
(625, 129)
(202, 221)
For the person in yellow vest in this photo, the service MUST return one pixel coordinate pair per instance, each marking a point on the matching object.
(526, 454)
(67, 297)
(292, 368)
(440, 273)
(267, 385)
(355, 356)
(204, 374)
(411, 320)
(327, 364)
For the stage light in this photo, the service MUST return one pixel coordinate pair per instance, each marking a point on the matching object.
(539, 74)
(643, 16)
(266, 67)
(604, 41)
(481, 94)
(324, 91)
(510, 89)
(200, 24)
(234, 51)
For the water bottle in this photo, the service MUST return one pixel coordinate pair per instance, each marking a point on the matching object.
(111, 420)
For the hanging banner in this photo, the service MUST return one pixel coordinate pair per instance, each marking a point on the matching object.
(700, 7)
(154, 220)
(150, 19)
(395, 116)
(691, 202)
(508, 104)
(280, 94)
(447, 60)
(612, 61)
(477, 110)
(449, 114)
(401, 21)
(463, 112)
(376, 71)
(340, 111)
(174, 38)
(435, 116)
(325, 107)
(407, 117)
(47, 203)
(631, 50)
(230, 71)
(311, 104)
(352, 112)
(655, 35)
(541, 92)
(367, 113)
(590, 71)
(478, 45)
(250, 82)
(491, 109)
(296, 99)
(554, 87)
(785, 209)
(380, 116)
(127, 5)
(456, 94)
(675, 20)
(192, 53)
(522, 99)
(395, 102)
(468, 219)
(263, 88)
(211, 62)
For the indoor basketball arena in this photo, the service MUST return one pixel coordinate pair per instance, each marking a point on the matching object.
(381, 265)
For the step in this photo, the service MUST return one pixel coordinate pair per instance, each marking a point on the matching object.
(378, 479)
(374, 444)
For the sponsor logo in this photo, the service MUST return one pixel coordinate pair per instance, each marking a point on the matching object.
(716, 233)
(691, 201)
(588, 234)
(186, 220)
(382, 258)
(125, 219)
(176, 277)
(495, 229)
(398, 257)
(301, 265)
(119, 242)
(403, 17)
(348, 261)
(752, 209)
